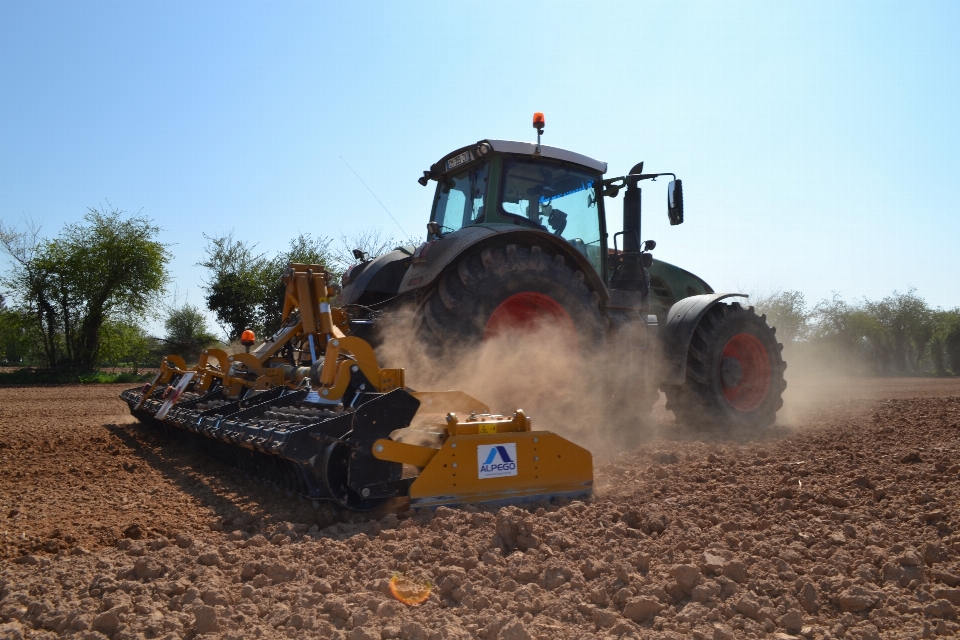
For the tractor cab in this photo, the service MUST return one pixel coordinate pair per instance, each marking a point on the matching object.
(506, 184)
(501, 182)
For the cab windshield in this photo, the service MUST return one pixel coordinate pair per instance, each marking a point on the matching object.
(459, 199)
(556, 198)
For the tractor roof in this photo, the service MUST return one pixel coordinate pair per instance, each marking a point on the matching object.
(474, 151)
(529, 148)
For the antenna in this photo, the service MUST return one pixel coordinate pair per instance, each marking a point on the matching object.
(376, 198)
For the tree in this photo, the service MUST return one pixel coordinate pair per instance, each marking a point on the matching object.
(907, 326)
(187, 332)
(236, 286)
(106, 268)
(19, 343)
(945, 343)
(844, 331)
(122, 343)
(28, 280)
(787, 311)
(952, 346)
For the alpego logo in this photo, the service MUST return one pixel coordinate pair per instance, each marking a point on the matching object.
(497, 460)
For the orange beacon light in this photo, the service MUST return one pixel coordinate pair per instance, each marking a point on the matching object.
(538, 122)
(247, 339)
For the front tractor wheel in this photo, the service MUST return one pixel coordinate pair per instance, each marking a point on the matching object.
(734, 372)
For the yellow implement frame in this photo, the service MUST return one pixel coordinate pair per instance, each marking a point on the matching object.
(316, 324)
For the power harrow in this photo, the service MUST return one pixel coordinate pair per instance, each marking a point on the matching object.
(311, 411)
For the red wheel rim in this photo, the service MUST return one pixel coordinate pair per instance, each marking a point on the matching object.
(524, 312)
(755, 372)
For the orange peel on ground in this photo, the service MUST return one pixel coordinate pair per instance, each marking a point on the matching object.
(408, 590)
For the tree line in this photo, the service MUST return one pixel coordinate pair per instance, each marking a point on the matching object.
(79, 301)
(91, 283)
(898, 334)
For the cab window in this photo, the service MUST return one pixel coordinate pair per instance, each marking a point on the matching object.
(556, 198)
(459, 199)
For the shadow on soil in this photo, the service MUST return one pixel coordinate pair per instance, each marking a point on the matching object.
(233, 500)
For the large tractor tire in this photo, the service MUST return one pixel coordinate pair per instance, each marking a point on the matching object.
(734, 372)
(510, 288)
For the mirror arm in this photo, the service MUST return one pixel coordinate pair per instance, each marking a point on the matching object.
(611, 182)
(650, 176)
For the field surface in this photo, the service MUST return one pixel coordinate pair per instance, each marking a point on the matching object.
(839, 522)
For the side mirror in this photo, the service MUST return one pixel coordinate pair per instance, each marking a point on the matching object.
(675, 202)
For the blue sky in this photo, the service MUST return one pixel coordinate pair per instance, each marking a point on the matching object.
(818, 142)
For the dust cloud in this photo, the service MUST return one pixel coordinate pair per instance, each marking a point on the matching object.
(817, 383)
(590, 393)
(235, 346)
(583, 392)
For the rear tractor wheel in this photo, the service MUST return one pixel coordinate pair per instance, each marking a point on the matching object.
(510, 289)
(734, 372)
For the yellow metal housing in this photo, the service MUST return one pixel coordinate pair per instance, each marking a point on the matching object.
(537, 464)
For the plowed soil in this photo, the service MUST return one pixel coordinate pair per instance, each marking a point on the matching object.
(837, 523)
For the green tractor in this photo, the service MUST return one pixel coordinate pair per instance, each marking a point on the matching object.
(518, 235)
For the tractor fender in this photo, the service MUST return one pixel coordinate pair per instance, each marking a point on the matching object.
(432, 258)
(367, 280)
(677, 332)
